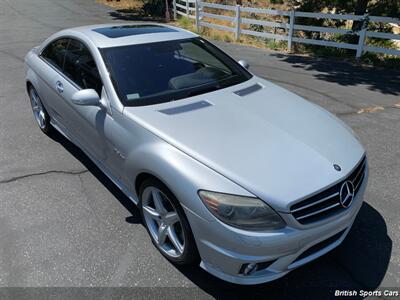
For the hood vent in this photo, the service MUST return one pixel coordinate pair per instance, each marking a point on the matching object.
(185, 108)
(246, 91)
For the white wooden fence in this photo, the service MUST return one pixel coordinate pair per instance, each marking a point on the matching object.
(185, 8)
(194, 9)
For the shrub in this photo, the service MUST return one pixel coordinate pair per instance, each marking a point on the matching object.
(154, 8)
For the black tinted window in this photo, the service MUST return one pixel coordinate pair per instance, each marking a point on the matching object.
(152, 73)
(55, 53)
(128, 30)
(81, 68)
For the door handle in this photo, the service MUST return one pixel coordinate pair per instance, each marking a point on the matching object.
(59, 87)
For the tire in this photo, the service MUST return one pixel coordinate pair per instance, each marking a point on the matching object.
(180, 230)
(40, 114)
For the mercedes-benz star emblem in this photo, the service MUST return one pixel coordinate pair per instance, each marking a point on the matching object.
(337, 167)
(346, 193)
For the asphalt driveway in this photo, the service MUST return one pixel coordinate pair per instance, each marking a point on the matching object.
(64, 224)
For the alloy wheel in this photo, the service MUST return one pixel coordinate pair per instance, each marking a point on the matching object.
(38, 109)
(163, 222)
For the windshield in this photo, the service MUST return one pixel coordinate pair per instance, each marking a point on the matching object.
(159, 72)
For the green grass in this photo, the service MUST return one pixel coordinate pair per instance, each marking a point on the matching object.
(276, 44)
(186, 23)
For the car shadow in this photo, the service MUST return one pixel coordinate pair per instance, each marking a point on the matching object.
(135, 217)
(360, 262)
(386, 81)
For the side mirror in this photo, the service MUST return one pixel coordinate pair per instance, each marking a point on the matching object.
(88, 97)
(244, 64)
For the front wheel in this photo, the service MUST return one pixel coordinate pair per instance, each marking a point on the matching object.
(39, 112)
(166, 223)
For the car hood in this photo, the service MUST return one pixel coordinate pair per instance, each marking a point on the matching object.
(273, 143)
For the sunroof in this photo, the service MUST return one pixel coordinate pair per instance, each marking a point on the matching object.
(127, 30)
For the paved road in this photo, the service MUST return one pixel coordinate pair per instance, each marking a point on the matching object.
(62, 223)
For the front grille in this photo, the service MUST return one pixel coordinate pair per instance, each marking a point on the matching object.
(320, 245)
(327, 202)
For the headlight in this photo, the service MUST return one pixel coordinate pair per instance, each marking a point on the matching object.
(243, 212)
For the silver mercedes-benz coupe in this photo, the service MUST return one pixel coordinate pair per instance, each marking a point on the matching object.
(228, 170)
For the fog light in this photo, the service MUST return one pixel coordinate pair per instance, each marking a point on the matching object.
(247, 269)
(250, 268)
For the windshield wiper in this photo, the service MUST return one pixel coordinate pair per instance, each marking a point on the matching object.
(223, 83)
(203, 90)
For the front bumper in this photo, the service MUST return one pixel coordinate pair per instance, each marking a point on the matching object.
(224, 249)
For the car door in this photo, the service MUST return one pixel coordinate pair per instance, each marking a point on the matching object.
(86, 123)
(50, 72)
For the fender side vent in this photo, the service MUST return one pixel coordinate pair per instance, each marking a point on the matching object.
(246, 91)
(185, 108)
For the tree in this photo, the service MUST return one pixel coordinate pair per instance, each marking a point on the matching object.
(167, 17)
(360, 9)
(390, 8)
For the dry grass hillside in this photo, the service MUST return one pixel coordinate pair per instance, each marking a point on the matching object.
(133, 7)
(122, 4)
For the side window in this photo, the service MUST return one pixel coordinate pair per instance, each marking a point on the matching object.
(55, 53)
(81, 68)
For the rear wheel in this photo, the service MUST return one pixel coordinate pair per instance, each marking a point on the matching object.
(166, 223)
(39, 112)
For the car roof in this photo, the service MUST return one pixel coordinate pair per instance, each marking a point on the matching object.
(122, 34)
